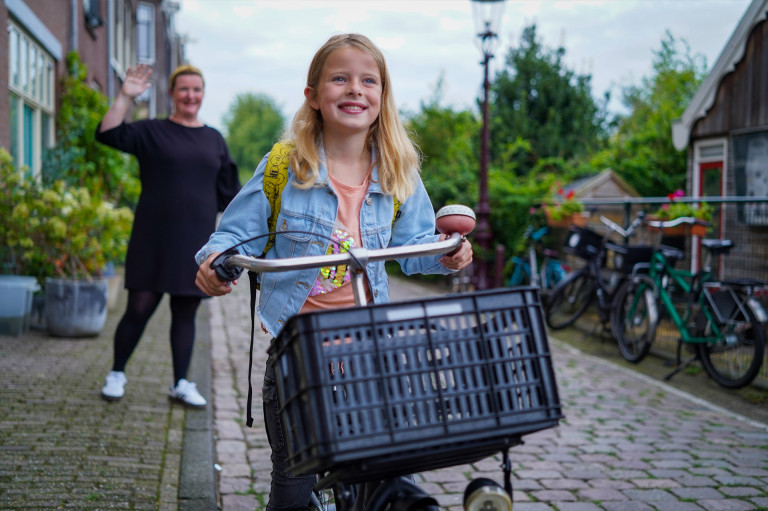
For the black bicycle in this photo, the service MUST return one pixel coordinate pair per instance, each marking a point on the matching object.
(370, 394)
(598, 279)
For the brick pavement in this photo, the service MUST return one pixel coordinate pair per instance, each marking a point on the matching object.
(62, 446)
(628, 442)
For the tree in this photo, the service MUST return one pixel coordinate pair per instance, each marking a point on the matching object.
(77, 158)
(254, 123)
(540, 109)
(641, 151)
(448, 143)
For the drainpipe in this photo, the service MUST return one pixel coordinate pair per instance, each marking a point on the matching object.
(73, 18)
(110, 74)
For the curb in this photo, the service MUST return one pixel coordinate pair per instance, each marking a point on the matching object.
(197, 479)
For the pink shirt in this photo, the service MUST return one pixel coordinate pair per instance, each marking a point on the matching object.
(332, 288)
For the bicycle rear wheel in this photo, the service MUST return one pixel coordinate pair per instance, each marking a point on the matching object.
(734, 359)
(634, 318)
(569, 299)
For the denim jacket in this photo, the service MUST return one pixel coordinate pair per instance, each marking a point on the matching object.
(307, 217)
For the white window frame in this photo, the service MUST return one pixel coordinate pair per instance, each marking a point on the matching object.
(148, 10)
(122, 36)
(31, 81)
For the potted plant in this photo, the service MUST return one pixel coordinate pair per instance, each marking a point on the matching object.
(564, 210)
(64, 236)
(675, 209)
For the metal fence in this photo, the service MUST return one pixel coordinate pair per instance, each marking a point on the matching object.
(742, 220)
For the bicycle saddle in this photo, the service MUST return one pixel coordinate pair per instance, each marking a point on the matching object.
(718, 247)
(671, 253)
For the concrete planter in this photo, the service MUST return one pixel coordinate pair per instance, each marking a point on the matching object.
(75, 308)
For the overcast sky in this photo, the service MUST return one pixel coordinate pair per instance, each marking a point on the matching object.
(265, 46)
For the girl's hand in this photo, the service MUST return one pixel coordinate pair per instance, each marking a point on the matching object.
(136, 80)
(461, 259)
(210, 283)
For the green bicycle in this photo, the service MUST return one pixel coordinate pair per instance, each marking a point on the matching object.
(721, 322)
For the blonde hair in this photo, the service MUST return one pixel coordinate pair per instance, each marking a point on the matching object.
(184, 69)
(396, 155)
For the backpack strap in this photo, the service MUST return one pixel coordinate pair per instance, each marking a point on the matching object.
(275, 178)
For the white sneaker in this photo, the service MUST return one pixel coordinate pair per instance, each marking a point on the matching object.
(114, 387)
(185, 392)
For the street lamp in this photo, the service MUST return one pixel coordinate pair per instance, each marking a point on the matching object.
(487, 16)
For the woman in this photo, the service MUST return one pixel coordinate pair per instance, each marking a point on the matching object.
(187, 176)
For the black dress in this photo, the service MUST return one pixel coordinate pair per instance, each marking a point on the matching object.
(187, 176)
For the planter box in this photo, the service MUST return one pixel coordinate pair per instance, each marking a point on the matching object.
(75, 308)
(16, 292)
(575, 219)
(679, 230)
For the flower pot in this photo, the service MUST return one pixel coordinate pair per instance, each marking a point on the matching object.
(16, 292)
(565, 222)
(75, 308)
(679, 230)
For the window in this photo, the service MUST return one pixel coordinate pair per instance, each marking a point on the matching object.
(31, 98)
(91, 11)
(750, 159)
(145, 33)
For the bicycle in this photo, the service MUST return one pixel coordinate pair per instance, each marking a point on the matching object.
(572, 296)
(528, 272)
(371, 393)
(721, 321)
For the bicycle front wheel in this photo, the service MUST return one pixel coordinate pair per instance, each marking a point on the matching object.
(569, 299)
(735, 355)
(634, 318)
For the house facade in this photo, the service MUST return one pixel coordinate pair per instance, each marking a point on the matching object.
(109, 36)
(725, 133)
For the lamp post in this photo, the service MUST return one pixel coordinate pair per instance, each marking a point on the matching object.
(487, 17)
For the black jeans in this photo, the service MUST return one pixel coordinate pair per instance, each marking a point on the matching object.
(288, 491)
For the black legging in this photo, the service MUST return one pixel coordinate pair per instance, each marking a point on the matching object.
(141, 306)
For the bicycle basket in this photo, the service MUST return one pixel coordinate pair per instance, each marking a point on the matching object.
(623, 258)
(583, 242)
(399, 388)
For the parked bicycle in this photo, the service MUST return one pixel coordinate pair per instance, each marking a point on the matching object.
(721, 321)
(528, 272)
(598, 279)
(371, 393)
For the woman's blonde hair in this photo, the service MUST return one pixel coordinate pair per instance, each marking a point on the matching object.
(184, 69)
(396, 154)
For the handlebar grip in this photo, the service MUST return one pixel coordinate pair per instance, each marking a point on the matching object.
(223, 270)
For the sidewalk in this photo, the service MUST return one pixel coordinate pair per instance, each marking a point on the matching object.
(62, 446)
(628, 443)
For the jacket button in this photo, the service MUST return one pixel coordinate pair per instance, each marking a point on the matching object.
(376, 293)
(369, 201)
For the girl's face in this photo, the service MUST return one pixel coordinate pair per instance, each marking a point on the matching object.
(187, 95)
(348, 94)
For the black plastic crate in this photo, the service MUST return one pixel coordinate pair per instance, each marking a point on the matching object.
(583, 242)
(623, 258)
(400, 388)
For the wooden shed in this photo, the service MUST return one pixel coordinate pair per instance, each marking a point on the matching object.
(725, 133)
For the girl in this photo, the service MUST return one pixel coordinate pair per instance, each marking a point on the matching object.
(351, 157)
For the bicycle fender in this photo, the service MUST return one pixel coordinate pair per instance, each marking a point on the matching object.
(757, 309)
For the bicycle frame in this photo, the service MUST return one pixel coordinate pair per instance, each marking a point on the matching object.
(698, 284)
(689, 282)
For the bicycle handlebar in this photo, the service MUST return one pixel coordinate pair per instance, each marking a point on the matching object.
(229, 265)
(626, 233)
